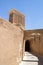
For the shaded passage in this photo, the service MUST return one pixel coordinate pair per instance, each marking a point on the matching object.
(27, 46)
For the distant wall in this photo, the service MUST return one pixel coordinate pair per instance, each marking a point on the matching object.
(36, 42)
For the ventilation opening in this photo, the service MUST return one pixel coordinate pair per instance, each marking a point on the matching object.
(27, 46)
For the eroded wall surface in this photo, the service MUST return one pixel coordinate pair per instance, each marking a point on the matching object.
(36, 41)
(11, 40)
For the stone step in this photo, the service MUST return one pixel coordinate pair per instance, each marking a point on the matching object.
(27, 53)
(28, 63)
(29, 56)
(29, 59)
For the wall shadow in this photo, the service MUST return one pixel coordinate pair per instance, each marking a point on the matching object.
(28, 49)
(40, 58)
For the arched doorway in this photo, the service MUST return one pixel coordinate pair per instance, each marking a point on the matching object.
(27, 46)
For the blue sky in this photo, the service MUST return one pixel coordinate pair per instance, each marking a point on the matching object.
(32, 9)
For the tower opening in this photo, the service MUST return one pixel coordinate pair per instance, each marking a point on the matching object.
(27, 46)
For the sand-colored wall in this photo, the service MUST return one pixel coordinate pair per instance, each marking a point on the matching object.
(11, 40)
(36, 43)
(17, 17)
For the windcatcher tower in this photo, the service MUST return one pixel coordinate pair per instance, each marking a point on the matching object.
(17, 18)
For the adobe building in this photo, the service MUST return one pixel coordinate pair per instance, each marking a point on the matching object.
(15, 40)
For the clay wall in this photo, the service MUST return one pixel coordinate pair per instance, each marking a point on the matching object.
(11, 40)
(17, 17)
(36, 41)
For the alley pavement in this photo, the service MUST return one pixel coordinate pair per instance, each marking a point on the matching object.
(31, 59)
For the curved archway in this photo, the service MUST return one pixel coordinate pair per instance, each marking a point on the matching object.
(27, 46)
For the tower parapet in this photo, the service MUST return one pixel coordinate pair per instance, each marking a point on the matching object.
(17, 18)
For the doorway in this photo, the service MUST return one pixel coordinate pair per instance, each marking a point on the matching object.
(27, 46)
